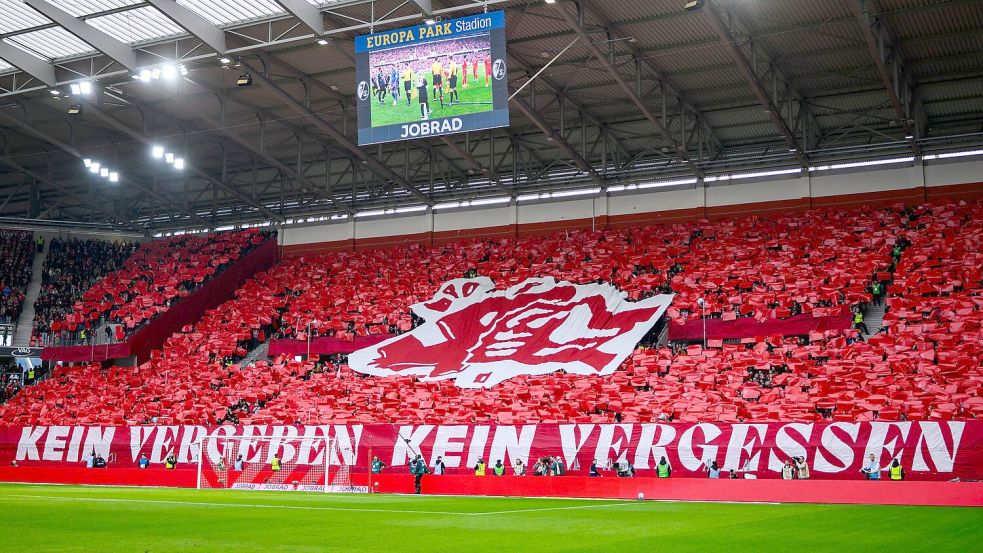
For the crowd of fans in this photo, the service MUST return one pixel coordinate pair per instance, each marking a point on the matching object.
(72, 266)
(926, 363)
(17, 253)
(13, 378)
(150, 280)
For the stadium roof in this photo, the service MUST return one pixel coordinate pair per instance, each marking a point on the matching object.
(646, 91)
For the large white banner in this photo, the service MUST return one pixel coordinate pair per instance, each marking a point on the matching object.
(480, 336)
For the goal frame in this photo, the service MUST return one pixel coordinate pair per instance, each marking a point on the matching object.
(324, 486)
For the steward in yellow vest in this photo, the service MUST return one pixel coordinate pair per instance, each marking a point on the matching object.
(479, 469)
(664, 470)
(895, 471)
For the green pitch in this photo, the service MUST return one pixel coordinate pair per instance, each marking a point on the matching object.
(68, 518)
(476, 98)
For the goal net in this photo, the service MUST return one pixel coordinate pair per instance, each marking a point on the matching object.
(275, 463)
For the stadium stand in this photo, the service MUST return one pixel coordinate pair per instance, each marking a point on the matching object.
(17, 252)
(924, 363)
(156, 275)
(71, 268)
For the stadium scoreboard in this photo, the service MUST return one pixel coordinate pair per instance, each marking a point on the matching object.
(432, 79)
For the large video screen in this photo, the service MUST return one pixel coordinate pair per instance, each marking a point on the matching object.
(432, 80)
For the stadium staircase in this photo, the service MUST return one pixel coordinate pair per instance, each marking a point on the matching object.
(663, 337)
(874, 318)
(22, 336)
(261, 353)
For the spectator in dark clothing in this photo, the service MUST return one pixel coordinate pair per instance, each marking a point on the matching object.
(72, 266)
(15, 272)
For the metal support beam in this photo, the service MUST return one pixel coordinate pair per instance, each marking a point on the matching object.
(746, 69)
(30, 130)
(426, 6)
(560, 92)
(576, 23)
(884, 52)
(300, 109)
(91, 108)
(32, 65)
(306, 13)
(193, 23)
(615, 35)
(555, 138)
(477, 166)
(123, 54)
(264, 155)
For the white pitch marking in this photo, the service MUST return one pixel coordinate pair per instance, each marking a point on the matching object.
(250, 505)
(552, 509)
(303, 507)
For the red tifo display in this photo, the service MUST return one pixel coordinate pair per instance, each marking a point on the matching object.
(925, 366)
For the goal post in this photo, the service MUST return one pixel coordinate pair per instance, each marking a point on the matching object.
(297, 463)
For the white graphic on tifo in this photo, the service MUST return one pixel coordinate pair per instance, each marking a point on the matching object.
(480, 336)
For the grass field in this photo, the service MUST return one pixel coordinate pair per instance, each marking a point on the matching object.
(105, 519)
(475, 98)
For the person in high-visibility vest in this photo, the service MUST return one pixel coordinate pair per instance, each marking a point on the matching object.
(170, 462)
(499, 468)
(663, 468)
(275, 463)
(896, 472)
(479, 469)
(858, 321)
(875, 290)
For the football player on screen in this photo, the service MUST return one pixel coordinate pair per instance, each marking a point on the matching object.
(437, 72)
